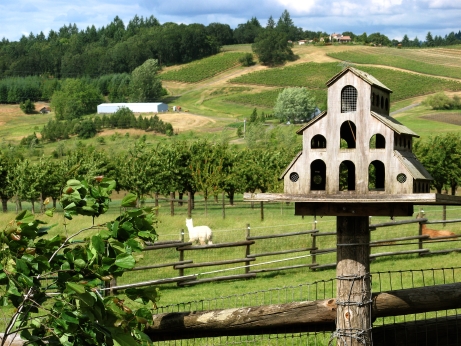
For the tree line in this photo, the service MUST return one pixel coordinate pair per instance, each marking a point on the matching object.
(71, 52)
(179, 167)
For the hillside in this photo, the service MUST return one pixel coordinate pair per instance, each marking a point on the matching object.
(223, 93)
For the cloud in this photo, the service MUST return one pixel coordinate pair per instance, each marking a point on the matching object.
(393, 18)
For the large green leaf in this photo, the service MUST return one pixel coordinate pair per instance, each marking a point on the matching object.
(129, 200)
(125, 261)
(97, 244)
(77, 288)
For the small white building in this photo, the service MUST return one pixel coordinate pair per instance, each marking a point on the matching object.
(109, 108)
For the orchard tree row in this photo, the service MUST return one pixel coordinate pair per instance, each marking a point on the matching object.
(176, 167)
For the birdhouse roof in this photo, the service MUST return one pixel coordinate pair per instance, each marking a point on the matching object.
(394, 125)
(363, 75)
(310, 122)
(290, 165)
(415, 168)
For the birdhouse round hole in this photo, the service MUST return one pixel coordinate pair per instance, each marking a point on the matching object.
(401, 178)
(294, 177)
(317, 179)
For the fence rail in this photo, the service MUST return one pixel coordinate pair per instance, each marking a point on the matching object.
(250, 258)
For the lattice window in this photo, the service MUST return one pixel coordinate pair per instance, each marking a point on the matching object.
(348, 99)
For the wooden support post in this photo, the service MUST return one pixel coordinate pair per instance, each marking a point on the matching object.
(420, 232)
(223, 205)
(172, 203)
(314, 245)
(181, 254)
(247, 251)
(353, 318)
(189, 205)
(444, 214)
(262, 210)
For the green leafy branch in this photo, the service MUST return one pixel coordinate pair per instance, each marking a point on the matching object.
(55, 283)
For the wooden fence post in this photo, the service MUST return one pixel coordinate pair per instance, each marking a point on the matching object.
(420, 233)
(223, 206)
(353, 317)
(314, 242)
(247, 251)
(189, 205)
(262, 211)
(172, 203)
(444, 214)
(181, 253)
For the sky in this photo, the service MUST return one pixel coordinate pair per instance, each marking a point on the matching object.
(393, 18)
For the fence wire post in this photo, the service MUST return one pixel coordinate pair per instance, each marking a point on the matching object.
(247, 251)
(181, 253)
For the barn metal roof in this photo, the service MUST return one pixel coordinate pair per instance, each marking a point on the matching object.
(394, 125)
(361, 74)
(415, 167)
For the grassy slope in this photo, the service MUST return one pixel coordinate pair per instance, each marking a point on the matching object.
(434, 62)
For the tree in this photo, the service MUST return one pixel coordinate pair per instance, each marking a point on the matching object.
(27, 106)
(86, 129)
(294, 105)
(76, 98)
(429, 40)
(271, 47)
(145, 84)
(405, 41)
(440, 155)
(270, 23)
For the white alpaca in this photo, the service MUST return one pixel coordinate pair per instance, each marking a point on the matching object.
(200, 234)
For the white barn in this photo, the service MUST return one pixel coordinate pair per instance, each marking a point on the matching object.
(108, 108)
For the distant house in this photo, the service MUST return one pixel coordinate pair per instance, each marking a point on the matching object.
(300, 42)
(108, 108)
(45, 110)
(340, 38)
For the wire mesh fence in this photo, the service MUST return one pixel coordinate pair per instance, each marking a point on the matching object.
(432, 328)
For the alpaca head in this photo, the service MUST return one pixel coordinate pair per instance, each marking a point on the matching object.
(189, 223)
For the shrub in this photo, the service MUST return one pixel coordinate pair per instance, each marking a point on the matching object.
(247, 60)
(441, 101)
(27, 107)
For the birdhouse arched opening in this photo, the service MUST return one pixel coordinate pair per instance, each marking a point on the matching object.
(377, 141)
(348, 135)
(318, 142)
(318, 175)
(347, 176)
(348, 99)
(376, 176)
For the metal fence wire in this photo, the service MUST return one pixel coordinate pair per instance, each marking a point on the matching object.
(441, 328)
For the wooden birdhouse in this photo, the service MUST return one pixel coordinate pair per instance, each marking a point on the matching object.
(356, 147)
(356, 153)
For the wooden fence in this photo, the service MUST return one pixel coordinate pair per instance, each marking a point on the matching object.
(249, 257)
